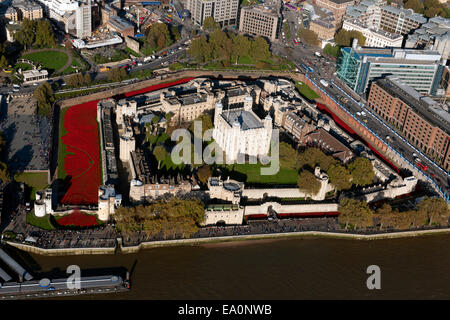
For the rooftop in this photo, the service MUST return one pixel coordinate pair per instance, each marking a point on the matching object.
(246, 119)
(424, 106)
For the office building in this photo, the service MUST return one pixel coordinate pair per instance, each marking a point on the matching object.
(225, 12)
(338, 7)
(375, 37)
(418, 118)
(84, 20)
(433, 35)
(420, 69)
(260, 21)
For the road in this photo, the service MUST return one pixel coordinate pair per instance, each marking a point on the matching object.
(324, 68)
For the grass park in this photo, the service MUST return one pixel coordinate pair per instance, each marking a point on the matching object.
(35, 180)
(49, 59)
(306, 91)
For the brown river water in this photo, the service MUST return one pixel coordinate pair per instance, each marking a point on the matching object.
(411, 268)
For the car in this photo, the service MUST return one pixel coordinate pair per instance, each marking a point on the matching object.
(417, 160)
(363, 113)
(358, 113)
(16, 90)
(387, 137)
(414, 155)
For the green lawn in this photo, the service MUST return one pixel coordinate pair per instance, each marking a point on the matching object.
(306, 91)
(23, 66)
(252, 174)
(35, 180)
(62, 151)
(50, 60)
(43, 223)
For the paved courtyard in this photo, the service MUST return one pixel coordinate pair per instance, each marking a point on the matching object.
(27, 135)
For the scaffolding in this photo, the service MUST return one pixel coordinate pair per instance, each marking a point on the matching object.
(348, 67)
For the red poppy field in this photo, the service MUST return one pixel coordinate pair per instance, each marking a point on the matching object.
(82, 149)
(79, 219)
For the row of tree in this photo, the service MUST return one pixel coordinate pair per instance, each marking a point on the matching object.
(308, 36)
(4, 172)
(35, 33)
(359, 172)
(358, 214)
(44, 96)
(79, 80)
(429, 8)
(164, 218)
(228, 48)
(160, 36)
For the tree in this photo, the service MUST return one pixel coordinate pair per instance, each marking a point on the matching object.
(260, 49)
(344, 38)
(331, 50)
(355, 212)
(44, 96)
(361, 170)
(4, 173)
(308, 183)
(416, 5)
(206, 122)
(313, 157)
(241, 47)
(432, 12)
(117, 74)
(340, 177)
(436, 209)
(2, 142)
(308, 36)
(44, 34)
(160, 154)
(165, 218)
(210, 24)
(288, 155)
(200, 49)
(158, 37)
(3, 62)
(204, 173)
(26, 34)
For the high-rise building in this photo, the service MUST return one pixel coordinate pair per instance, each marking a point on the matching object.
(420, 69)
(418, 118)
(225, 12)
(260, 20)
(84, 20)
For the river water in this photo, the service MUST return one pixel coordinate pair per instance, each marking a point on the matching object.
(279, 269)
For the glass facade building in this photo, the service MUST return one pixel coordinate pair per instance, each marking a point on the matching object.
(420, 69)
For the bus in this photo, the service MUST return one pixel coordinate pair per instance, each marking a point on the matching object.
(421, 166)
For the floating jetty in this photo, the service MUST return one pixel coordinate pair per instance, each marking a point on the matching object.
(49, 288)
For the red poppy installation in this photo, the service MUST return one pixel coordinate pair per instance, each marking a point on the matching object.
(82, 161)
(79, 219)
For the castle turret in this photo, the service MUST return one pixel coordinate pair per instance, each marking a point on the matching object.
(248, 103)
